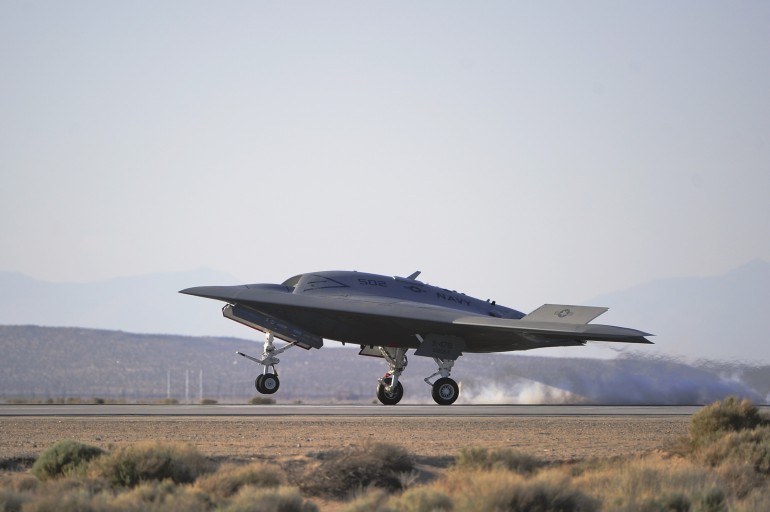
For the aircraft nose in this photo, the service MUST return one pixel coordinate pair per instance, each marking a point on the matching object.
(223, 293)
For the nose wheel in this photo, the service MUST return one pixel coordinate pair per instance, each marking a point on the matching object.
(267, 384)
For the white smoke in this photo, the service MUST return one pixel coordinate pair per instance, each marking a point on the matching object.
(521, 392)
(623, 381)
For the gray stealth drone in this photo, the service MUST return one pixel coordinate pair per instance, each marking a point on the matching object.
(387, 316)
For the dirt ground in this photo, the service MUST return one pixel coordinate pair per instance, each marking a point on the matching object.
(554, 438)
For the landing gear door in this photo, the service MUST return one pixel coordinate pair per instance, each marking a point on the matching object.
(370, 350)
(268, 324)
(441, 346)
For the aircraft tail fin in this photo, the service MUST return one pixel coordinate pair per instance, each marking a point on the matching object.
(560, 313)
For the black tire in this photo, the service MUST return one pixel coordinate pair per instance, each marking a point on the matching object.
(270, 383)
(391, 398)
(258, 383)
(445, 391)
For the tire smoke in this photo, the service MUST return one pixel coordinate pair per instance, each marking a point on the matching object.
(627, 380)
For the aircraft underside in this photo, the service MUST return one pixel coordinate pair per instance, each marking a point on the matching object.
(444, 390)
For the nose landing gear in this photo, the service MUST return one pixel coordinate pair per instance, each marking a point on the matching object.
(389, 389)
(268, 383)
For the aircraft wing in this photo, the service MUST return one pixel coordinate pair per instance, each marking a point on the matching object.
(384, 321)
(556, 330)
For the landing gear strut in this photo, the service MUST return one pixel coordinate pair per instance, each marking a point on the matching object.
(268, 383)
(389, 389)
(445, 390)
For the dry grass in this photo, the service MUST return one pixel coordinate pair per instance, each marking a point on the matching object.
(650, 482)
(750, 447)
(731, 471)
(131, 465)
(65, 458)
(161, 497)
(343, 472)
(230, 478)
(261, 400)
(283, 499)
(729, 415)
(504, 458)
(499, 489)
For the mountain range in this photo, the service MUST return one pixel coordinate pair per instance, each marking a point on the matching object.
(57, 363)
(719, 318)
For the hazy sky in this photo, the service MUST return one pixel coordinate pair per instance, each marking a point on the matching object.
(525, 151)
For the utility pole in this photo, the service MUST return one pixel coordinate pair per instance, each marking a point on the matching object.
(168, 383)
(187, 386)
(200, 386)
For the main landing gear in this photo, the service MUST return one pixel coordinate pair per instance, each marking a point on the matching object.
(445, 390)
(268, 383)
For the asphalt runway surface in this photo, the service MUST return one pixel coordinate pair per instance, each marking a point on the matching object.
(347, 410)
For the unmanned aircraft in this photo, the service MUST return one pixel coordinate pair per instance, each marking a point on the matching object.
(388, 316)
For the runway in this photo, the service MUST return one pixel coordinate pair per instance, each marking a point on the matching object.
(347, 410)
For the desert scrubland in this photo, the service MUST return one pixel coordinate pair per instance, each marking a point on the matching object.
(717, 460)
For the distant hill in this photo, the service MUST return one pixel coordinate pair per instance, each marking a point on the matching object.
(142, 304)
(48, 362)
(717, 318)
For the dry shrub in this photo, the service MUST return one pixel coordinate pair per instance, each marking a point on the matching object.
(371, 499)
(283, 499)
(131, 465)
(152, 497)
(423, 499)
(741, 479)
(342, 472)
(714, 500)
(744, 447)
(76, 484)
(652, 482)
(70, 494)
(503, 458)
(19, 482)
(418, 499)
(729, 415)
(757, 500)
(495, 490)
(733, 437)
(64, 458)
(229, 479)
(166, 401)
(676, 502)
(161, 497)
(10, 500)
(72, 501)
(261, 400)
